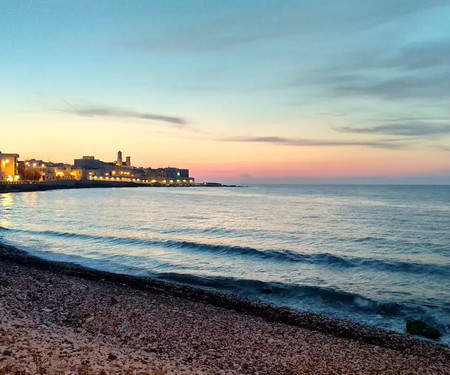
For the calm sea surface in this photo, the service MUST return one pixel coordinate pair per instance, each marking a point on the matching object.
(376, 255)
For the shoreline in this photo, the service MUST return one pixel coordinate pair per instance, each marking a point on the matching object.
(62, 185)
(272, 315)
(89, 184)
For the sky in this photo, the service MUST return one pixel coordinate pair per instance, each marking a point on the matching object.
(237, 91)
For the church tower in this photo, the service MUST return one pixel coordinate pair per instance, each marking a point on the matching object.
(119, 158)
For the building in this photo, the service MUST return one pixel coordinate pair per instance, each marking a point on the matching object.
(95, 169)
(60, 171)
(9, 167)
(92, 167)
(38, 170)
(31, 169)
(120, 162)
(169, 176)
(88, 162)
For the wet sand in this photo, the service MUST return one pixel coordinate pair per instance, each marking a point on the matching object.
(64, 319)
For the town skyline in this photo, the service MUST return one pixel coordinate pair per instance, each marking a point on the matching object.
(15, 171)
(254, 92)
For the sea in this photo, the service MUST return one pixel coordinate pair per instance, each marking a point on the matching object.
(375, 255)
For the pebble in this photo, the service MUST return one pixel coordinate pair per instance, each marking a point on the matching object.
(181, 336)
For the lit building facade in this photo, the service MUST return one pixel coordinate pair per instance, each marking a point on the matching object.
(9, 167)
(38, 170)
(95, 169)
(169, 176)
(89, 168)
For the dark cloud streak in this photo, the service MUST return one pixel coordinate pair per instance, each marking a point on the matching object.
(385, 144)
(410, 129)
(102, 111)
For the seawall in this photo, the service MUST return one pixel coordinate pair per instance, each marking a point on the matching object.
(69, 184)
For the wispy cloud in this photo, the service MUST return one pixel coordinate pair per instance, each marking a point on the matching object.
(417, 86)
(410, 129)
(392, 144)
(104, 111)
(219, 30)
(430, 54)
(414, 71)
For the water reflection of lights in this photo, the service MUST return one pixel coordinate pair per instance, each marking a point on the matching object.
(6, 200)
(29, 199)
(6, 204)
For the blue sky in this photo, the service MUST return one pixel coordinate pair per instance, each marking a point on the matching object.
(256, 78)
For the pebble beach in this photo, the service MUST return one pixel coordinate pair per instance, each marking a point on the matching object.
(63, 319)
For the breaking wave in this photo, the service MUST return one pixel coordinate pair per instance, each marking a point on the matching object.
(322, 259)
